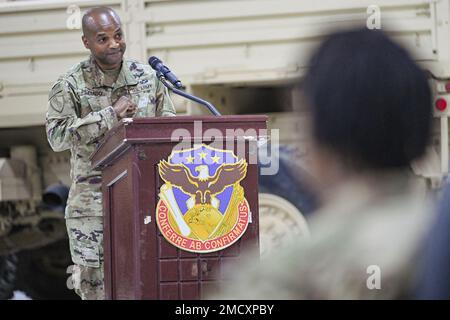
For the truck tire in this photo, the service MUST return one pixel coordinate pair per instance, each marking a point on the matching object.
(289, 182)
(280, 223)
(43, 273)
(285, 201)
(8, 269)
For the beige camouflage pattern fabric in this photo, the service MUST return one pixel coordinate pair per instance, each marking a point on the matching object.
(79, 115)
(366, 223)
(86, 248)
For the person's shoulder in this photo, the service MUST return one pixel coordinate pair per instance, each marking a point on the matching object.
(69, 79)
(75, 71)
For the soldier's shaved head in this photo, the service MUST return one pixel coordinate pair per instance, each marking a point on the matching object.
(95, 18)
(103, 36)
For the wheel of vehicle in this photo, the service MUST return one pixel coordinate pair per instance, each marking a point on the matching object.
(280, 223)
(8, 269)
(43, 273)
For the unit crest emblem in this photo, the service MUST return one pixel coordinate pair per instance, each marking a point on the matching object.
(202, 207)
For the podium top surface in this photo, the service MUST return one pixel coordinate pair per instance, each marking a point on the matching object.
(208, 118)
(131, 131)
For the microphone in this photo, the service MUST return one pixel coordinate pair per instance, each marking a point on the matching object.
(165, 76)
(159, 67)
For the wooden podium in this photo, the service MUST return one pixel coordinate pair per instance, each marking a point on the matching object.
(139, 262)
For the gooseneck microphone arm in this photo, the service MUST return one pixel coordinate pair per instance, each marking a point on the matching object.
(165, 76)
(211, 108)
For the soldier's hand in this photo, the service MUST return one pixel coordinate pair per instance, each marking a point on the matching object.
(124, 107)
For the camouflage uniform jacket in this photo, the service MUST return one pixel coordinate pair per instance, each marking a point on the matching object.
(80, 112)
(363, 245)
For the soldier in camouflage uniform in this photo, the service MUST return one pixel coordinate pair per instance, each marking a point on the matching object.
(83, 105)
(366, 237)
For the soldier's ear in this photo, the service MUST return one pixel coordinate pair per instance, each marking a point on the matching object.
(85, 42)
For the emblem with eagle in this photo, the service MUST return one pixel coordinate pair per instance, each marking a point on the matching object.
(203, 198)
(203, 186)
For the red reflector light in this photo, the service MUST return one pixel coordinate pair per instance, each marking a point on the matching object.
(441, 104)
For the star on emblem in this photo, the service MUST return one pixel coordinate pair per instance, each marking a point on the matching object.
(189, 159)
(215, 159)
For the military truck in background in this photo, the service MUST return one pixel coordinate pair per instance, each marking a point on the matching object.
(241, 55)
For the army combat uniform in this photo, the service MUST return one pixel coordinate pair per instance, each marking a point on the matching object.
(364, 244)
(79, 114)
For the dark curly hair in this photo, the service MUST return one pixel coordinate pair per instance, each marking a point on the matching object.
(371, 103)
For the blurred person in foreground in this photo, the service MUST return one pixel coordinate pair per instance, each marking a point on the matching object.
(370, 117)
(434, 279)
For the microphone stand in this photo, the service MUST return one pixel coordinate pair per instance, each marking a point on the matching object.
(210, 107)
